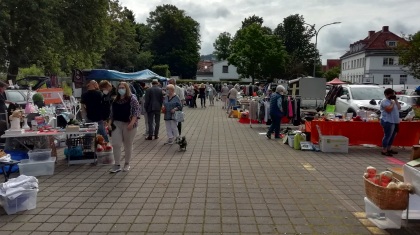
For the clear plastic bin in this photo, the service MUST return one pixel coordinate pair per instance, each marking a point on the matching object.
(32, 168)
(39, 154)
(105, 158)
(25, 201)
(383, 219)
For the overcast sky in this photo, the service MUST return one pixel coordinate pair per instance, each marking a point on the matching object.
(357, 17)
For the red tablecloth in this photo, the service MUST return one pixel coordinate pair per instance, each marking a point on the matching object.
(366, 132)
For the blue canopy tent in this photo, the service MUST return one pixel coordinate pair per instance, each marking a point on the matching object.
(112, 75)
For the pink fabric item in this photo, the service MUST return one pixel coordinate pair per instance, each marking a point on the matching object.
(290, 108)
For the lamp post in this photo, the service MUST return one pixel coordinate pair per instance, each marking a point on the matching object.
(316, 41)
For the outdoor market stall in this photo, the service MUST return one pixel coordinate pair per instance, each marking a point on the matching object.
(370, 132)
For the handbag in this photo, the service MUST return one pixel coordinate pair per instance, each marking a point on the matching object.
(179, 116)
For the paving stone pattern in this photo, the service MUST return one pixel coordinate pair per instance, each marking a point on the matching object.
(231, 180)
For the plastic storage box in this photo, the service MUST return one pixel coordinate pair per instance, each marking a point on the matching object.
(334, 144)
(291, 140)
(413, 208)
(37, 168)
(105, 158)
(383, 219)
(39, 154)
(23, 202)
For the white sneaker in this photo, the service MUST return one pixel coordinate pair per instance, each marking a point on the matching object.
(115, 169)
(126, 168)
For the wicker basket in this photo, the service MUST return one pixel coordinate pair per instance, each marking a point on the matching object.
(385, 198)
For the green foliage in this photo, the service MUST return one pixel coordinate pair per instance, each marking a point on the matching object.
(221, 46)
(162, 70)
(257, 54)
(251, 20)
(297, 41)
(33, 70)
(332, 73)
(410, 54)
(37, 97)
(66, 89)
(175, 40)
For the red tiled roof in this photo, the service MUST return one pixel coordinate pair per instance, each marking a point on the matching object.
(205, 66)
(333, 63)
(376, 41)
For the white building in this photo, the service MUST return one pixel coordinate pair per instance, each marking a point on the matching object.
(222, 71)
(374, 60)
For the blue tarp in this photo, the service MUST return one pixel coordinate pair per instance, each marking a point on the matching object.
(112, 75)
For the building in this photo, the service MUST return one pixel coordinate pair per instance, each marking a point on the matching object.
(221, 71)
(374, 60)
(331, 63)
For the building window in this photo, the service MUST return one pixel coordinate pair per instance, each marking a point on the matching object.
(225, 69)
(387, 79)
(388, 61)
(403, 79)
(391, 43)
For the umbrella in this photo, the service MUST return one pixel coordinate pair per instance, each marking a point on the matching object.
(336, 81)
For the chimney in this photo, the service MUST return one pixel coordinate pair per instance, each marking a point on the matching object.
(371, 33)
(385, 29)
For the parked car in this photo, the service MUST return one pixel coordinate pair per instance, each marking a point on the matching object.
(408, 101)
(20, 95)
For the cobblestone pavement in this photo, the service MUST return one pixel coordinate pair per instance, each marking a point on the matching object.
(231, 180)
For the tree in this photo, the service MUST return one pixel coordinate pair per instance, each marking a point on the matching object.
(175, 40)
(251, 20)
(257, 54)
(57, 34)
(296, 37)
(161, 70)
(332, 73)
(122, 53)
(221, 46)
(410, 54)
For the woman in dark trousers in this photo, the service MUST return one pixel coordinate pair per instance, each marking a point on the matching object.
(195, 96)
(202, 95)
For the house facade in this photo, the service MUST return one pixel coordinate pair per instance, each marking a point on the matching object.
(221, 71)
(374, 60)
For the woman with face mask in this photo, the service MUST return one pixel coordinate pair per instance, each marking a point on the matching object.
(390, 120)
(125, 111)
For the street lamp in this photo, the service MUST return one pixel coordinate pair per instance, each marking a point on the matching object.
(316, 41)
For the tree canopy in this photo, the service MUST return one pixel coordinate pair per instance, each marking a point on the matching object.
(222, 46)
(175, 40)
(410, 55)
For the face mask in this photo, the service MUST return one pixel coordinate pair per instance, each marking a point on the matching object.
(121, 91)
(106, 92)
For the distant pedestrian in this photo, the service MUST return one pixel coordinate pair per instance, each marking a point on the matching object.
(202, 95)
(180, 93)
(125, 113)
(223, 95)
(195, 96)
(276, 111)
(153, 104)
(211, 92)
(232, 96)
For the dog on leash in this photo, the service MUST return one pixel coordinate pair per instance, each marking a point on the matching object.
(182, 142)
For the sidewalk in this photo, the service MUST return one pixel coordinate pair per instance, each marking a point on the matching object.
(231, 180)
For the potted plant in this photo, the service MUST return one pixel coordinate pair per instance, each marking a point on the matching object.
(38, 100)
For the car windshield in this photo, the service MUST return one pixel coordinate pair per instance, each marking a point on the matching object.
(367, 93)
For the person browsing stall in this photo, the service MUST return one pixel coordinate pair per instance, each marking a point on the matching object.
(125, 111)
(92, 106)
(106, 88)
(276, 111)
(390, 120)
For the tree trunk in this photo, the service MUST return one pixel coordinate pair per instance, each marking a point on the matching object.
(12, 72)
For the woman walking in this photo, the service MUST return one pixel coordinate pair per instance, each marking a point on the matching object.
(171, 104)
(212, 92)
(202, 95)
(224, 91)
(125, 111)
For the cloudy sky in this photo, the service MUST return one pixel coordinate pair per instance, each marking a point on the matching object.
(357, 17)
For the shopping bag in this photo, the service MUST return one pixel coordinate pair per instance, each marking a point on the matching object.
(330, 108)
(179, 116)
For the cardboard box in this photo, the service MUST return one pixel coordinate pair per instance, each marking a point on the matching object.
(334, 144)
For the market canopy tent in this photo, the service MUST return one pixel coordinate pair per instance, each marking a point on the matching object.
(112, 75)
(336, 81)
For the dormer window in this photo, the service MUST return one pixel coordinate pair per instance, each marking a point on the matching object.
(391, 43)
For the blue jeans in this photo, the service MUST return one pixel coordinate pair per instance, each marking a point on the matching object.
(389, 134)
(101, 130)
(275, 125)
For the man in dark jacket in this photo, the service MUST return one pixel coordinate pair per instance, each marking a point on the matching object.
(276, 111)
(153, 100)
